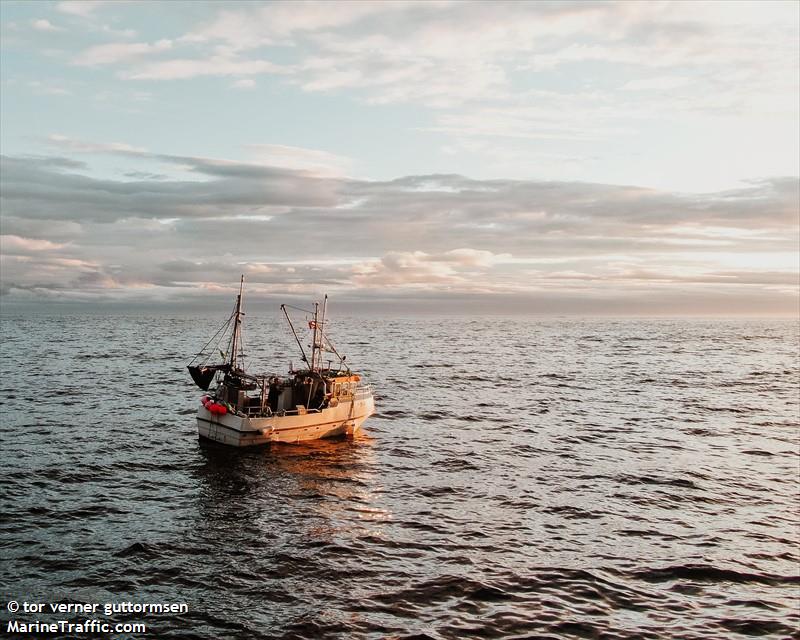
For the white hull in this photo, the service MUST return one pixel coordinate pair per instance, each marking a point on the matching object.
(239, 431)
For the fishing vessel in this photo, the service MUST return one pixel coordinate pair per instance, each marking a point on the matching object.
(316, 401)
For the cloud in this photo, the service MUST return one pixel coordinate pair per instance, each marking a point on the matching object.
(35, 188)
(293, 231)
(523, 89)
(11, 244)
(71, 144)
(526, 89)
(184, 68)
(145, 175)
(244, 83)
(45, 25)
(589, 80)
(116, 52)
(315, 160)
(250, 28)
(448, 208)
(458, 268)
(81, 8)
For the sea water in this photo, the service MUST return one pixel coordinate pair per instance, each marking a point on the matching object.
(522, 477)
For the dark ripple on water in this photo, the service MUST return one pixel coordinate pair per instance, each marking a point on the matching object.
(616, 479)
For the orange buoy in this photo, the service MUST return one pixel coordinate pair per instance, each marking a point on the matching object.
(216, 408)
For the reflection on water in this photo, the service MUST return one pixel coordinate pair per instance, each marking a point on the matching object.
(529, 478)
(319, 480)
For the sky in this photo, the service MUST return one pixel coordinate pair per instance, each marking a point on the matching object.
(592, 158)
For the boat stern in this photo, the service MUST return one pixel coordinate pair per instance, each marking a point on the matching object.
(230, 429)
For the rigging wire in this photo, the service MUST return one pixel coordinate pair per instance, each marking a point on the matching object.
(289, 306)
(326, 343)
(220, 330)
(326, 339)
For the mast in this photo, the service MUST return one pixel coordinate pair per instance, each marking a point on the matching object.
(237, 323)
(314, 345)
(322, 330)
(318, 339)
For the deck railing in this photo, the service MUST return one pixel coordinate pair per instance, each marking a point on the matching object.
(360, 392)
